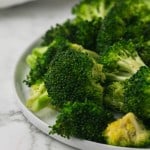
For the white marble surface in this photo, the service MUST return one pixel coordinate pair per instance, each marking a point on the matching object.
(19, 27)
(8, 3)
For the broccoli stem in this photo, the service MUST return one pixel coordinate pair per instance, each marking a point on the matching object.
(131, 65)
(79, 48)
(36, 104)
(117, 77)
(114, 96)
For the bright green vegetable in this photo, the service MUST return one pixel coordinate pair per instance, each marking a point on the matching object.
(39, 64)
(128, 19)
(84, 120)
(87, 9)
(114, 96)
(38, 97)
(132, 95)
(121, 61)
(137, 93)
(94, 62)
(75, 75)
(81, 32)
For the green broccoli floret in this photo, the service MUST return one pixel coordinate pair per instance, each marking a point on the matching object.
(89, 9)
(126, 20)
(65, 30)
(81, 32)
(38, 97)
(84, 120)
(40, 58)
(143, 46)
(127, 131)
(75, 75)
(137, 94)
(35, 55)
(121, 61)
(132, 95)
(86, 33)
(114, 96)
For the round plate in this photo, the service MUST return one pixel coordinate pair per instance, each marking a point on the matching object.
(43, 119)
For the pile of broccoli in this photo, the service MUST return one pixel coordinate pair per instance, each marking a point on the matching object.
(92, 67)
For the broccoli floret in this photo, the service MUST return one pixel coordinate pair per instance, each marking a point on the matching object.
(127, 131)
(114, 96)
(65, 30)
(40, 58)
(89, 9)
(126, 20)
(142, 48)
(75, 75)
(137, 94)
(81, 32)
(121, 61)
(32, 61)
(133, 95)
(35, 55)
(38, 97)
(84, 120)
(86, 33)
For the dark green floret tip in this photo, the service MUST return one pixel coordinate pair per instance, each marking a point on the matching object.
(86, 119)
(75, 75)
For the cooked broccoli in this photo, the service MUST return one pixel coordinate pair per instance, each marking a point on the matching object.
(126, 20)
(40, 58)
(81, 32)
(143, 49)
(34, 62)
(35, 55)
(132, 95)
(121, 61)
(86, 33)
(89, 9)
(94, 62)
(65, 30)
(114, 96)
(137, 94)
(38, 97)
(127, 131)
(75, 75)
(84, 120)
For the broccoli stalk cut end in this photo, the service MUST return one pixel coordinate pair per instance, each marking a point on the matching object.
(39, 98)
(127, 131)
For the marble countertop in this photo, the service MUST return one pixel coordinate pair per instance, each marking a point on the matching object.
(19, 27)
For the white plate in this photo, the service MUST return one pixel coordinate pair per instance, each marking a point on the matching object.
(41, 120)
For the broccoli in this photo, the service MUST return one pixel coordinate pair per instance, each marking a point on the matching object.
(87, 9)
(121, 61)
(35, 55)
(65, 30)
(33, 62)
(38, 97)
(75, 75)
(142, 48)
(40, 58)
(94, 62)
(132, 95)
(127, 131)
(86, 33)
(81, 32)
(114, 96)
(127, 19)
(137, 94)
(84, 120)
